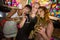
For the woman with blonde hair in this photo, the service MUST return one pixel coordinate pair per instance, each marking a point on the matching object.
(44, 26)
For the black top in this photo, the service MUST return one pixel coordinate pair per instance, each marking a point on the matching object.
(24, 32)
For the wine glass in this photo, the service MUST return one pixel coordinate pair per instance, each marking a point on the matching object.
(27, 20)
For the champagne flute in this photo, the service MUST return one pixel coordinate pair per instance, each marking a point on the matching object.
(27, 20)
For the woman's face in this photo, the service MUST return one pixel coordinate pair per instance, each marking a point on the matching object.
(35, 7)
(41, 12)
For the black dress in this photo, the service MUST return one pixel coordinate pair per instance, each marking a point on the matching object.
(24, 32)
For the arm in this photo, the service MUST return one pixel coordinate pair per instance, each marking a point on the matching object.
(50, 29)
(22, 22)
(8, 17)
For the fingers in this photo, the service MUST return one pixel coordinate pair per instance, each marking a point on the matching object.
(39, 29)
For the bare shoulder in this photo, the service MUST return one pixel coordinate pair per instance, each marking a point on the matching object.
(50, 25)
(50, 22)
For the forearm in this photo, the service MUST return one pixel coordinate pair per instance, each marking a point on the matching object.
(22, 23)
(9, 19)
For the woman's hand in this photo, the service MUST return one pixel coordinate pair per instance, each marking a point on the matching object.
(41, 30)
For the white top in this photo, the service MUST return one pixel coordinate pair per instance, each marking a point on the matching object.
(15, 15)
